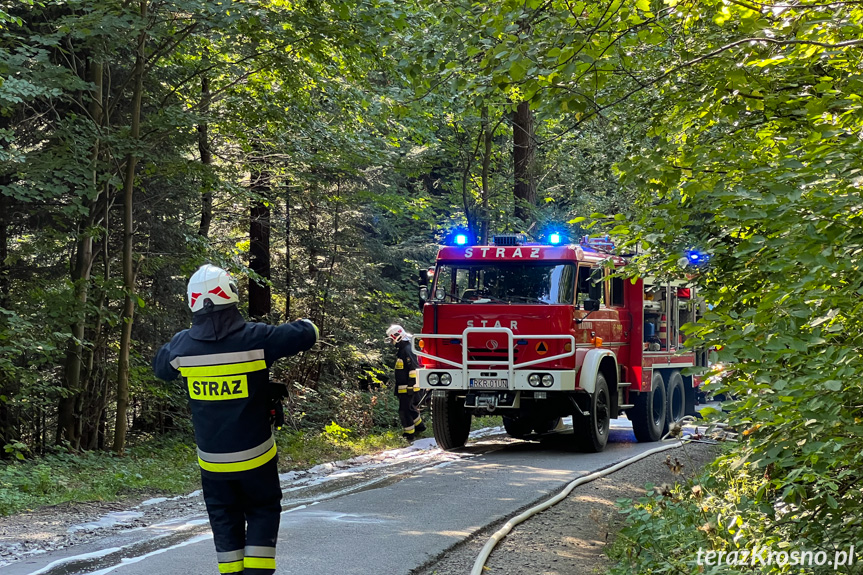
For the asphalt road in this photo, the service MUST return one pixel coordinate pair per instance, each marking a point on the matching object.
(396, 526)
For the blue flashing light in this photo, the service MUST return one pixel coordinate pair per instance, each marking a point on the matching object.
(461, 239)
(554, 238)
(696, 257)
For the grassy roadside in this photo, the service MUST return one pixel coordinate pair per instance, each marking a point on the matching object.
(159, 467)
(169, 466)
(165, 467)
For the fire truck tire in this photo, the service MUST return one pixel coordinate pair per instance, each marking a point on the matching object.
(676, 396)
(450, 421)
(516, 427)
(648, 415)
(592, 430)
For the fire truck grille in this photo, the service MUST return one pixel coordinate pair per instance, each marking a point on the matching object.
(482, 354)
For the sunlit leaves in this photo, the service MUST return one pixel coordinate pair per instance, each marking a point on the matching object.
(759, 156)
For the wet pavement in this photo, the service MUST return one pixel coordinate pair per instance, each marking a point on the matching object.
(390, 516)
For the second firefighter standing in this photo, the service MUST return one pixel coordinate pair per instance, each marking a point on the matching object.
(406, 388)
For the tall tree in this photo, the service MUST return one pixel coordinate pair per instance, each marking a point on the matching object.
(524, 156)
(260, 301)
(129, 263)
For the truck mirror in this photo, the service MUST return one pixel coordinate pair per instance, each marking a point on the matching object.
(594, 285)
(591, 305)
(424, 277)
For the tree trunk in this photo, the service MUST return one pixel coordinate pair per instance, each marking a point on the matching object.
(68, 409)
(523, 152)
(5, 202)
(488, 134)
(465, 195)
(315, 253)
(8, 386)
(206, 159)
(333, 259)
(128, 231)
(260, 301)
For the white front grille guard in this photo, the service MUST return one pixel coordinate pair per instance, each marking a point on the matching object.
(510, 364)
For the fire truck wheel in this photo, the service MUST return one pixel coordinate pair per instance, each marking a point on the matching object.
(592, 430)
(676, 408)
(648, 415)
(450, 421)
(515, 427)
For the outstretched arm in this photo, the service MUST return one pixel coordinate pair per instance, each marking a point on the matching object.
(289, 339)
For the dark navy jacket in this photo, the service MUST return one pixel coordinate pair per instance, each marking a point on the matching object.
(405, 368)
(225, 364)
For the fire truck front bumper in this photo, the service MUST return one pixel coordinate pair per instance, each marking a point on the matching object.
(494, 380)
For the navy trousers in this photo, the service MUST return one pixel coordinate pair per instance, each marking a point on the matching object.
(244, 515)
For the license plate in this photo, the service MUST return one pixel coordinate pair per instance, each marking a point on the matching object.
(486, 383)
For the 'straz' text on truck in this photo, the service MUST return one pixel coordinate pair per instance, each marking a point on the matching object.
(535, 333)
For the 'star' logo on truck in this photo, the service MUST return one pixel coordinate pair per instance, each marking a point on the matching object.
(513, 325)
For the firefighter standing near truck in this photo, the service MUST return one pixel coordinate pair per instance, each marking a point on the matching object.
(406, 389)
(225, 363)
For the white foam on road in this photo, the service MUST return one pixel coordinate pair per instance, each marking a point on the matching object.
(108, 520)
(84, 556)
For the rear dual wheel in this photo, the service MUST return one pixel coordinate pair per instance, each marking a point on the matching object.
(676, 397)
(649, 413)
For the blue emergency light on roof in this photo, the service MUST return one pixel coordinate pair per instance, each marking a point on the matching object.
(696, 257)
(554, 238)
(461, 239)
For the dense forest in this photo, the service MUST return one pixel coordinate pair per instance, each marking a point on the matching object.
(320, 150)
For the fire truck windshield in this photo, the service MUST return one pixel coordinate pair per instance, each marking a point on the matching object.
(505, 282)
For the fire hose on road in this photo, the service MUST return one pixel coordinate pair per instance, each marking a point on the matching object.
(503, 531)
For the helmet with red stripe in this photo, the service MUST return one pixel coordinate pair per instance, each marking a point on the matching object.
(397, 333)
(213, 284)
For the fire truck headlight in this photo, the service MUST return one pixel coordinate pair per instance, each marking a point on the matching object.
(445, 379)
(533, 380)
(547, 380)
(433, 379)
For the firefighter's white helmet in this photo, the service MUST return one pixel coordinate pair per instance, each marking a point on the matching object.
(397, 333)
(211, 283)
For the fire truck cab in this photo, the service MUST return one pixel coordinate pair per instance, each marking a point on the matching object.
(535, 333)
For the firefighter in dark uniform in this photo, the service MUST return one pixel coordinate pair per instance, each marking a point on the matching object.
(407, 389)
(225, 363)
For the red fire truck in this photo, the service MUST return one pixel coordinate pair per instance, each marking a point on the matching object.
(535, 333)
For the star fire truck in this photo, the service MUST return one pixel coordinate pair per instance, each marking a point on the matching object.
(535, 333)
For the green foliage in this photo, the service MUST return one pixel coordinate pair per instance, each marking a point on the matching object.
(168, 466)
(300, 450)
(717, 510)
(758, 165)
(336, 433)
